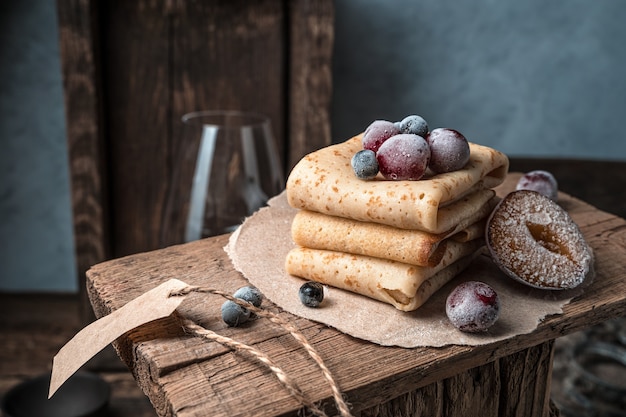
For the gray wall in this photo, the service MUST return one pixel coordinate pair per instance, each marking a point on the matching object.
(36, 251)
(529, 78)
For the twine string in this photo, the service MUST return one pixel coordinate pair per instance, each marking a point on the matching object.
(341, 404)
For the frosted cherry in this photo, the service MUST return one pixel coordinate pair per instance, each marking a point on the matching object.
(473, 306)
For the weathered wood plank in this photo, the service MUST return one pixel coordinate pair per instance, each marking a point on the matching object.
(225, 55)
(78, 32)
(230, 55)
(132, 69)
(424, 402)
(473, 391)
(311, 37)
(136, 69)
(526, 376)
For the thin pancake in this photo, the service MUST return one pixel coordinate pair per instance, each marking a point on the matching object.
(320, 231)
(323, 182)
(393, 282)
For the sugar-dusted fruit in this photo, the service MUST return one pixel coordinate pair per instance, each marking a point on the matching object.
(364, 164)
(414, 124)
(473, 306)
(535, 241)
(403, 157)
(541, 181)
(377, 133)
(449, 150)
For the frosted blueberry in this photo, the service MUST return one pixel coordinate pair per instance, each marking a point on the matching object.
(311, 294)
(364, 164)
(233, 314)
(249, 294)
(415, 125)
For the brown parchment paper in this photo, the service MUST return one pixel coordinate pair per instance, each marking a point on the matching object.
(258, 250)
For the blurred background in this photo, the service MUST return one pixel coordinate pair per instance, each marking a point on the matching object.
(529, 78)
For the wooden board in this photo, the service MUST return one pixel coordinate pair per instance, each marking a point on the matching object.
(184, 375)
(132, 69)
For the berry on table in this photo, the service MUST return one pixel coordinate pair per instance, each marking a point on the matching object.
(233, 314)
(311, 294)
(540, 181)
(403, 157)
(249, 294)
(473, 306)
(449, 150)
(364, 164)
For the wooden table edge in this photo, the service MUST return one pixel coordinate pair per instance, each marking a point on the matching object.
(549, 329)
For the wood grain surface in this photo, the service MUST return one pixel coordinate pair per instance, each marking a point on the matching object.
(184, 375)
(131, 70)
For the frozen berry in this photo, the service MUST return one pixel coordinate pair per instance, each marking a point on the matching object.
(249, 294)
(449, 150)
(473, 307)
(541, 181)
(233, 314)
(311, 294)
(403, 157)
(364, 164)
(377, 133)
(415, 125)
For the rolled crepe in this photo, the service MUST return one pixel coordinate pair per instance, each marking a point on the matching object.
(471, 232)
(320, 231)
(396, 283)
(323, 181)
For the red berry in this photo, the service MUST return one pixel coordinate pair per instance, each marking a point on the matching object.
(377, 133)
(473, 306)
(541, 181)
(449, 150)
(403, 157)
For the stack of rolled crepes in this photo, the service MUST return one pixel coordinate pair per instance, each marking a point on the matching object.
(394, 241)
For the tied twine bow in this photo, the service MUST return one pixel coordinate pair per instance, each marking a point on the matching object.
(282, 376)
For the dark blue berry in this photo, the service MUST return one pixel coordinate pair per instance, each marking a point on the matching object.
(415, 125)
(249, 294)
(365, 164)
(233, 314)
(311, 294)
